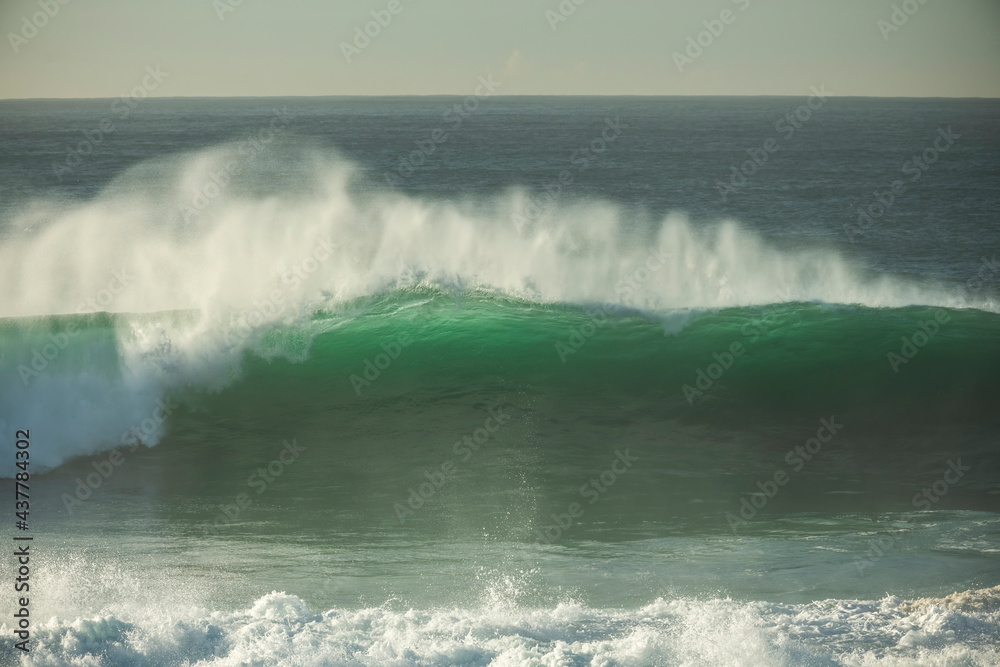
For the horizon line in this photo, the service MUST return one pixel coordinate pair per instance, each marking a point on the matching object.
(408, 95)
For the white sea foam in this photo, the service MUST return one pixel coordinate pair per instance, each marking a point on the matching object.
(280, 629)
(250, 262)
(235, 251)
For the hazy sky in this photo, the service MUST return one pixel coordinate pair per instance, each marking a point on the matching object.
(101, 48)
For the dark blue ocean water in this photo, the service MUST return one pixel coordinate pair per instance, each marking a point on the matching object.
(578, 380)
(671, 155)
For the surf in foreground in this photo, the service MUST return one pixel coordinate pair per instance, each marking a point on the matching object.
(281, 629)
(374, 336)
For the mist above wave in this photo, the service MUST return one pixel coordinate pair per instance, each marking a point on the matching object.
(242, 251)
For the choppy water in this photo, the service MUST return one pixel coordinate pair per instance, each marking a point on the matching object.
(299, 399)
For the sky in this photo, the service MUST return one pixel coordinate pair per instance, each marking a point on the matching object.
(222, 48)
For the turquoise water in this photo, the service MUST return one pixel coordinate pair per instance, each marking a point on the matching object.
(326, 421)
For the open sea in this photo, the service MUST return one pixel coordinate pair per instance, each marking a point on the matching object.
(531, 381)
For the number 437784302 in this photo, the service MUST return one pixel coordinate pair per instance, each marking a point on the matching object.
(22, 457)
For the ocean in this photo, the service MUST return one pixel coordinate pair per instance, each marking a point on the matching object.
(502, 381)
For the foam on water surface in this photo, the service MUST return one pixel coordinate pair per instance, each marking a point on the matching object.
(280, 629)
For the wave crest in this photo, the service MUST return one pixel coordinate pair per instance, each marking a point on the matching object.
(253, 267)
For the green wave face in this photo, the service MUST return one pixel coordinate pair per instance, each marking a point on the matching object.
(383, 393)
(389, 396)
(730, 364)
